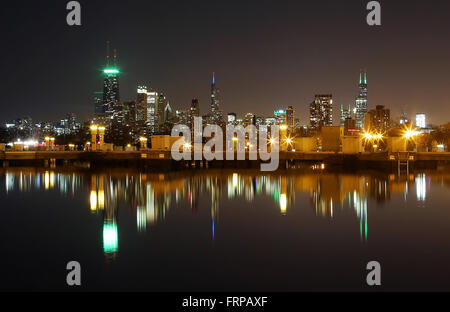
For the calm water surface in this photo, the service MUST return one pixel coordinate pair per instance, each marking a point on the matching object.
(223, 230)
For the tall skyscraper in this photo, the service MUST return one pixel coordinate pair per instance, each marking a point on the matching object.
(98, 103)
(290, 118)
(141, 104)
(403, 119)
(141, 109)
(168, 113)
(216, 113)
(195, 108)
(160, 109)
(182, 117)
(152, 102)
(321, 111)
(111, 73)
(345, 114)
(361, 100)
(194, 111)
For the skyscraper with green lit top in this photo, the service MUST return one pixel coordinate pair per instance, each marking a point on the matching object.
(111, 95)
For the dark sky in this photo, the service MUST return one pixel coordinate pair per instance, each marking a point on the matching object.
(266, 54)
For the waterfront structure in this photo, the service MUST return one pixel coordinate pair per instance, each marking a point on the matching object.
(350, 127)
(321, 111)
(361, 101)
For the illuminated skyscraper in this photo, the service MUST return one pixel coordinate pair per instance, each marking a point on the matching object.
(98, 103)
(345, 114)
(152, 100)
(160, 109)
(111, 94)
(141, 109)
(168, 113)
(141, 105)
(290, 118)
(194, 111)
(321, 111)
(421, 121)
(280, 116)
(361, 101)
(216, 113)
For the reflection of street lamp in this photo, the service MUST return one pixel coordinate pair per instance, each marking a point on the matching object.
(283, 204)
(52, 143)
(47, 143)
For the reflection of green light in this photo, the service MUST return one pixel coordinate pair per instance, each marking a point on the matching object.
(360, 230)
(110, 238)
(366, 228)
(276, 196)
(111, 71)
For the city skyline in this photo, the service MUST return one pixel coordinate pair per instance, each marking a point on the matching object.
(225, 155)
(273, 53)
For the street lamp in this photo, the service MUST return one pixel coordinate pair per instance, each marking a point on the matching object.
(101, 136)
(143, 141)
(94, 129)
(410, 134)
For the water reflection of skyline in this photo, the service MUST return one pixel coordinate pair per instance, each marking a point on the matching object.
(150, 196)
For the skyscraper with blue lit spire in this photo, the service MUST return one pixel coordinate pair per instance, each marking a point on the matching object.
(216, 113)
(361, 100)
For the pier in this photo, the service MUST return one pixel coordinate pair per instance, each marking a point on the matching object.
(162, 160)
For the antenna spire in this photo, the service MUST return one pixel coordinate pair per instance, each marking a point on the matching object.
(107, 53)
(115, 58)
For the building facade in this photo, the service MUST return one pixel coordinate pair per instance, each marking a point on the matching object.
(321, 111)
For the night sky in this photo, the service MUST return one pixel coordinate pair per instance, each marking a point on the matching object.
(266, 54)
